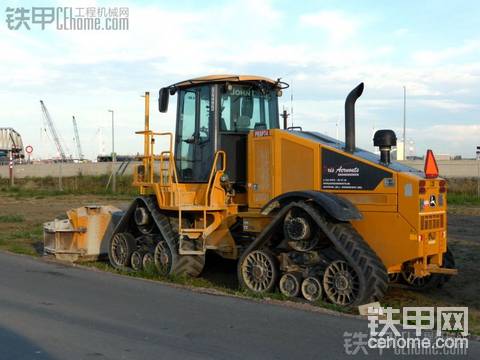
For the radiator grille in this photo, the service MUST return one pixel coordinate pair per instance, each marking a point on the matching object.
(431, 222)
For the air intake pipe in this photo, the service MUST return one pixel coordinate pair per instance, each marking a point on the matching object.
(350, 117)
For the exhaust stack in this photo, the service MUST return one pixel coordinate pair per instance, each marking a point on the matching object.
(350, 117)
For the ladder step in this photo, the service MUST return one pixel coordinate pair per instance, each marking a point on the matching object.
(191, 252)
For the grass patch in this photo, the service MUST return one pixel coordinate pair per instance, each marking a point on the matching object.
(19, 248)
(33, 187)
(21, 241)
(462, 199)
(11, 218)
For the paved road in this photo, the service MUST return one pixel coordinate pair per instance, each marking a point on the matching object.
(50, 311)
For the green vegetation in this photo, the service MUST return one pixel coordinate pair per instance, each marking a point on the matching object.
(77, 185)
(22, 241)
(462, 199)
(11, 218)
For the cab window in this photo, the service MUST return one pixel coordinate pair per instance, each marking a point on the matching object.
(245, 108)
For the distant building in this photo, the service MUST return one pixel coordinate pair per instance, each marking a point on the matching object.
(410, 151)
(443, 157)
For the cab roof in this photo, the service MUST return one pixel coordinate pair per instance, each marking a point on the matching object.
(226, 78)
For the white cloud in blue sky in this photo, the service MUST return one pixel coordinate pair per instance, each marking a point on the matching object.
(323, 48)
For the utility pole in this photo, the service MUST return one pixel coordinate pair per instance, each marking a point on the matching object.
(10, 168)
(404, 122)
(478, 171)
(60, 175)
(114, 157)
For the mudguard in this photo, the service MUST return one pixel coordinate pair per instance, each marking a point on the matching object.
(337, 207)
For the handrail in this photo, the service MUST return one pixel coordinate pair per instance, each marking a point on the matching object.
(150, 158)
(213, 171)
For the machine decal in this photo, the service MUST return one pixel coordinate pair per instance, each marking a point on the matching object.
(342, 172)
(261, 133)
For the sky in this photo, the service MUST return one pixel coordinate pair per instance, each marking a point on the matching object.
(321, 48)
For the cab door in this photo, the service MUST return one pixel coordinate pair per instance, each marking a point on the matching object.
(194, 146)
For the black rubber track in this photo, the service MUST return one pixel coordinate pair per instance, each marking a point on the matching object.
(349, 244)
(365, 262)
(191, 265)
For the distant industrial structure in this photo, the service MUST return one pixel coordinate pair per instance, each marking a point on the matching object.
(10, 144)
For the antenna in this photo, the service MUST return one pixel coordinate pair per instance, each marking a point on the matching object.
(291, 105)
(337, 123)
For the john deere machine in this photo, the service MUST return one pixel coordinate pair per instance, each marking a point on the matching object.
(300, 211)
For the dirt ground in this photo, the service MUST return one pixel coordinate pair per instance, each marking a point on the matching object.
(21, 222)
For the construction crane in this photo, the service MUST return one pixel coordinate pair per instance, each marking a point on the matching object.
(77, 139)
(51, 126)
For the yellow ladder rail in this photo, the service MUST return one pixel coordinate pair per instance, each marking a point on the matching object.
(213, 172)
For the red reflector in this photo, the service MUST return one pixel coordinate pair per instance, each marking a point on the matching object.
(442, 183)
(443, 189)
(421, 183)
(421, 190)
(431, 168)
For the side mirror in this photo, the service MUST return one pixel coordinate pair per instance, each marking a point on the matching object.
(163, 95)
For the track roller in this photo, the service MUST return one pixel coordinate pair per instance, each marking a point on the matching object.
(312, 288)
(148, 261)
(136, 260)
(290, 284)
(297, 228)
(143, 220)
(341, 283)
(259, 271)
(120, 250)
(163, 258)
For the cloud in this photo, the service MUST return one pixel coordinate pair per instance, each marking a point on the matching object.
(401, 32)
(446, 104)
(338, 26)
(453, 139)
(431, 57)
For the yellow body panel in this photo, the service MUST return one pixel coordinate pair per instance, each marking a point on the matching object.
(280, 161)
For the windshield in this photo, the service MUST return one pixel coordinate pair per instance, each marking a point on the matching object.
(245, 108)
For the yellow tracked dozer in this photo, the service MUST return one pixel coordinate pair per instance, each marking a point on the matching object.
(300, 211)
